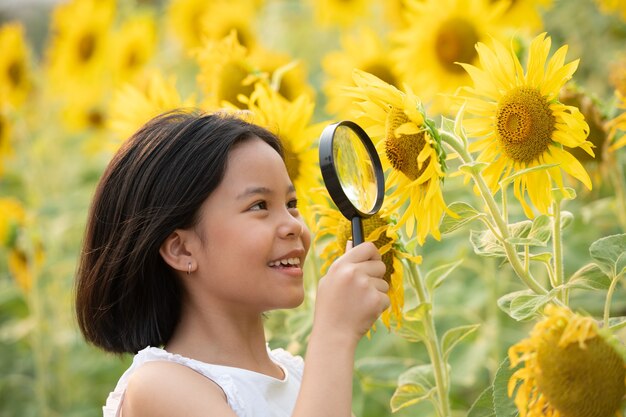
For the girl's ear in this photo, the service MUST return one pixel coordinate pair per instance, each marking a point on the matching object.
(175, 251)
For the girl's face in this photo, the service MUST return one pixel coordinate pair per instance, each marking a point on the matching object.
(253, 239)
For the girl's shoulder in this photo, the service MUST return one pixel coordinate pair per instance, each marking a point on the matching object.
(158, 377)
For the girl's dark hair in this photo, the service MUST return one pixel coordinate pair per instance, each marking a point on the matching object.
(127, 297)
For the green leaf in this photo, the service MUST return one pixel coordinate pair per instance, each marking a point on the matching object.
(589, 277)
(474, 167)
(486, 244)
(447, 125)
(483, 406)
(504, 182)
(608, 252)
(465, 215)
(616, 323)
(540, 257)
(503, 404)
(415, 385)
(453, 336)
(437, 275)
(413, 331)
(565, 193)
(380, 372)
(523, 305)
(417, 313)
(567, 218)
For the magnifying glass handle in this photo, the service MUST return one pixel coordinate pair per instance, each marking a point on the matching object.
(357, 230)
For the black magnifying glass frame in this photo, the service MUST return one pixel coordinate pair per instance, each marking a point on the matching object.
(333, 184)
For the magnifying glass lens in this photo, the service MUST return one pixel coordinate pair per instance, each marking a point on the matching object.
(355, 169)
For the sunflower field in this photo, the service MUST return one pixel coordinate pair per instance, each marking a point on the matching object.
(501, 126)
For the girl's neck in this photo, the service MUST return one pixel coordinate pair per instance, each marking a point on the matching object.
(223, 339)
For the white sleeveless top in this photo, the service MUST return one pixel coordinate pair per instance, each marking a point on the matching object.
(249, 393)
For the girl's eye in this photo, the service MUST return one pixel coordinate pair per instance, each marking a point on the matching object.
(292, 204)
(261, 205)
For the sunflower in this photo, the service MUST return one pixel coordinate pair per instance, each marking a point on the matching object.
(134, 105)
(618, 123)
(524, 14)
(364, 50)
(77, 53)
(195, 21)
(342, 13)
(570, 368)
(439, 34)
(412, 156)
(15, 73)
(134, 43)
(520, 123)
(613, 6)
(291, 122)
(5, 136)
(225, 71)
(377, 229)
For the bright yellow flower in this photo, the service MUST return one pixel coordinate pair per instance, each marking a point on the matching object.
(134, 45)
(15, 71)
(570, 368)
(343, 13)
(133, 105)
(291, 122)
(195, 21)
(613, 6)
(364, 50)
(439, 34)
(520, 123)
(525, 15)
(331, 223)
(6, 129)
(12, 216)
(77, 56)
(619, 123)
(410, 153)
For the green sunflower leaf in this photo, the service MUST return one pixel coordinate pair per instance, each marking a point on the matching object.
(566, 219)
(465, 215)
(503, 404)
(589, 277)
(485, 243)
(412, 331)
(609, 254)
(453, 336)
(437, 275)
(483, 406)
(474, 167)
(415, 385)
(380, 372)
(523, 305)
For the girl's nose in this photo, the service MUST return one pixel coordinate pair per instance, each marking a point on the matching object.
(291, 227)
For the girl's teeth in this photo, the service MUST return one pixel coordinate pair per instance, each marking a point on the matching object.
(288, 261)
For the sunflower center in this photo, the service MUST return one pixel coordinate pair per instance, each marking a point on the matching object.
(369, 225)
(579, 382)
(95, 118)
(524, 124)
(402, 150)
(381, 71)
(15, 71)
(231, 84)
(454, 42)
(86, 47)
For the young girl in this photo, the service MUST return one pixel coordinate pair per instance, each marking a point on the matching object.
(193, 234)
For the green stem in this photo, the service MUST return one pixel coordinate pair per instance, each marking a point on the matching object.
(432, 344)
(557, 248)
(496, 216)
(607, 302)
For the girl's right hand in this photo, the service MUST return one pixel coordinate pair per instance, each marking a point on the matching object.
(353, 293)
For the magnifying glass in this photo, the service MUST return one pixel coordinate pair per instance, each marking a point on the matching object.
(352, 173)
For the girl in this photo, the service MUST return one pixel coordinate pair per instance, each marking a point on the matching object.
(193, 234)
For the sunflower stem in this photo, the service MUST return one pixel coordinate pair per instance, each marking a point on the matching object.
(432, 343)
(607, 302)
(496, 216)
(557, 248)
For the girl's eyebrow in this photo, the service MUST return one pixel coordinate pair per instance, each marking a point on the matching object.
(262, 190)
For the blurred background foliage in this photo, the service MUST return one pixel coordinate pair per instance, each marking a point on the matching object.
(78, 77)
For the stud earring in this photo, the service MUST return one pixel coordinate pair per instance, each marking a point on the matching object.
(189, 268)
